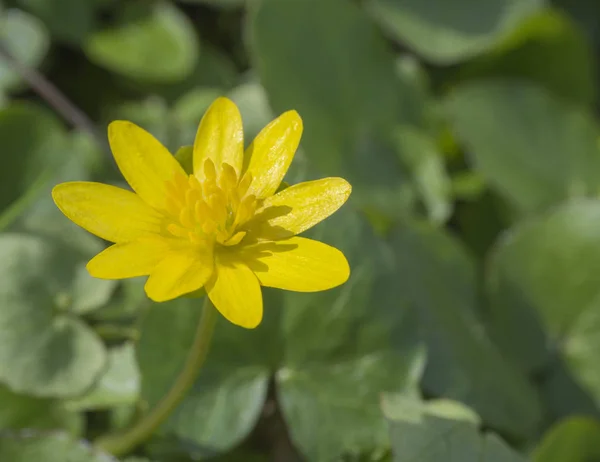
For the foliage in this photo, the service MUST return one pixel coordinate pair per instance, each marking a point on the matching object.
(470, 326)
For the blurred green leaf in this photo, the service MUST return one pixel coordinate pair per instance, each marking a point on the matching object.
(174, 126)
(435, 277)
(544, 272)
(67, 20)
(441, 431)
(231, 389)
(349, 102)
(151, 44)
(446, 33)
(422, 157)
(561, 392)
(585, 12)
(26, 39)
(548, 49)
(21, 411)
(88, 293)
(219, 3)
(119, 384)
(331, 408)
(342, 351)
(32, 143)
(214, 70)
(127, 302)
(416, 99)
(331, 353)
(151, 113)
(56, 447)
(574, 439)
(44, 350)
(534, 149)
(251, 99)
(187, 112)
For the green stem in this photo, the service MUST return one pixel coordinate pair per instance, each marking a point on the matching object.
(120, 444)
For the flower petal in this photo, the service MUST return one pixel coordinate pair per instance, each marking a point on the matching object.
(182, 271)
(298, 264)
(220, 137)
(299, 207)
(235, 292)
(144, 162)
(112, 213)
(128, 259)
(271, 153)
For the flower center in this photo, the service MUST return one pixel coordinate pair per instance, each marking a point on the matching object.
(210, 210)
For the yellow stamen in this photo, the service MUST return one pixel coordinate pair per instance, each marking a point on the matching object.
(176, 230)
(228, 177)
(210, 172)
(235, 239)
(244, 185)
(207, 211)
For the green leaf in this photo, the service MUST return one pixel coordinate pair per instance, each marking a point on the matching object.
(21, 411)
(416, 99)
(331, 409)
(231, 388)
(251, 99)
(420, 153)
(88, 293)
(154, 44)
(548, 49)
(187, 112)
(534, 149)
(544, 272)
(214, 70)
(447, 33)
(32, 143)
(333, 353)
(574, 439)
(219, 3)
(26, 39)
(44, 350)
(441, 431)
(126, 304)
(343, 348)
(68, 20)
(152, 114)
(585, 13)
(349, 102)
(435, 279)
(562, 394)
(118, 385)
(49, 448)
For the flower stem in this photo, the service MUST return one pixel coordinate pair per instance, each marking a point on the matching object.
(120, 444)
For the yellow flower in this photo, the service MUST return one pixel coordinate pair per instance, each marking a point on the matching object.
(226, 227)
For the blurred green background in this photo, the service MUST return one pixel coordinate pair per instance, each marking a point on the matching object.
(470, 328)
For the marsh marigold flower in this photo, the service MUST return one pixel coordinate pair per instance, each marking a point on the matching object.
(227, 226)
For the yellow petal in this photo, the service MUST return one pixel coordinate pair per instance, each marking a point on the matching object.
(220, 137)
(298, 264)
(112, 213)
(271, 153)
(299, 207)
(129, 259)
(144, 162)
(235, 292)
(181, 271)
